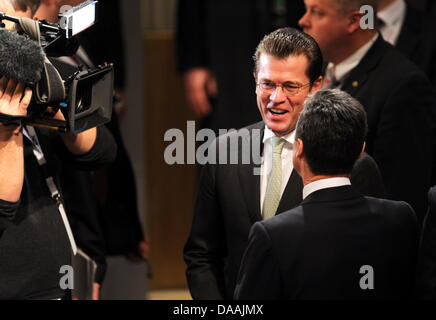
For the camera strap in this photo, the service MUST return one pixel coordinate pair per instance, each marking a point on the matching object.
(51, 88)
(29, 133)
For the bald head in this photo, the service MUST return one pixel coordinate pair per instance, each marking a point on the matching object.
(347, 6)
(17, 6)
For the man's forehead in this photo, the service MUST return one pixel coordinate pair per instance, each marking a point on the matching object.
(319, 3)
(294, 68)
(297, 60)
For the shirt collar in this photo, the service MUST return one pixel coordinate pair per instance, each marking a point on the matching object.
(394, 13)
(290, 137)
(324, 184)
(352, 61)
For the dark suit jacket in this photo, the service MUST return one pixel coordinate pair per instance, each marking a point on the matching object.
(317, 250)
(401, 112)
(222, 36)
(424, 5)
(227, 205)
(417, 41)
(426, 272)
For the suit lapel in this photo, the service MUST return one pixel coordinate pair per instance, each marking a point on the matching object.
(359, 75)
(410, 32)
(293, 194)
(249, 181)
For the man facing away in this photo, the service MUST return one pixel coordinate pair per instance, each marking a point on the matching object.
(337, 244)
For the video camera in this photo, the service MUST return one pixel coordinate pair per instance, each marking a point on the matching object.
(85, 98)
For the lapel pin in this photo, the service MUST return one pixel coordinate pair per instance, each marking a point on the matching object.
(355, 84)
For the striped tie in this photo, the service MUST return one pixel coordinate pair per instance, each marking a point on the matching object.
(330, 81)
(273, 190)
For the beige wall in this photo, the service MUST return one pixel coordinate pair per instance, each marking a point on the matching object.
(169, 190)
(158, 14)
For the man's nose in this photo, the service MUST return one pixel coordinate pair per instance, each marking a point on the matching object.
(304, 21)
(278, 95)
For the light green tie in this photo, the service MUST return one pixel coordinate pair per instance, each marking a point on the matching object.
(273, 190)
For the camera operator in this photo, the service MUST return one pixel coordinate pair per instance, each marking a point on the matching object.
(34, 244)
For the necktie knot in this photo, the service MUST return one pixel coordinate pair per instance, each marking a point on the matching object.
(278, 144)
(330, 81)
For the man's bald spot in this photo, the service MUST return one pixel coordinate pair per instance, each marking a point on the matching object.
(6, 5)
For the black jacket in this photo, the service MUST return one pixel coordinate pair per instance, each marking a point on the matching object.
(33, 241)
(317, 250)
(228, 204)
(418, 42)
(401, 112)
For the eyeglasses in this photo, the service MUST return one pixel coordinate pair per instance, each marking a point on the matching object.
(289, 89)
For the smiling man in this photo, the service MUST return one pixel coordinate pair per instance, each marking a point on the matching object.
(231, 198)
(280, 108)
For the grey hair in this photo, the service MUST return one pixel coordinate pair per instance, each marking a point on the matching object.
(347, 6)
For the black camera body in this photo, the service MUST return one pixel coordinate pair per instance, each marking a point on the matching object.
(85, 97)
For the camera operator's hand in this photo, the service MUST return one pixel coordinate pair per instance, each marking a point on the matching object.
(14, 100)
(14, 97)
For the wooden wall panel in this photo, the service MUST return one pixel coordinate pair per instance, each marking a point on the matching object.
(169, 189)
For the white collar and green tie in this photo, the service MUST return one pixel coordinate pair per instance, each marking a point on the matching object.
(268, 164)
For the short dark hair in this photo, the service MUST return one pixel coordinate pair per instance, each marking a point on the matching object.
(333, 128)
(287, 42)
(23, 5)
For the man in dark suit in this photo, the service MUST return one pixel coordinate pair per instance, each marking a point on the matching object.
(397, 97)
(231, 197)
(412, 32)
(215, 42)
(424, 5)
(337, 244)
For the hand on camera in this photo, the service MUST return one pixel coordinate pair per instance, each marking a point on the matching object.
(14, 97)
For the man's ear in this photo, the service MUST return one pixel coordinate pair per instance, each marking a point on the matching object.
(317, 85)
(354, 21)
(299, 153)
(363, 150)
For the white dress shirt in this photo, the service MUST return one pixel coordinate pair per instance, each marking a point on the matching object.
(343, 68)
(266, 166)
(324, 184)
(393, 17)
